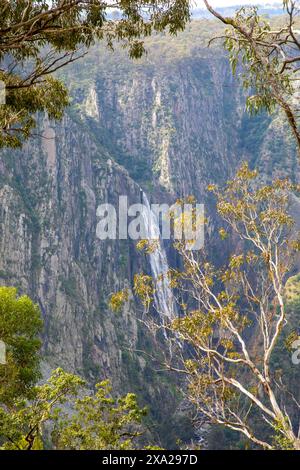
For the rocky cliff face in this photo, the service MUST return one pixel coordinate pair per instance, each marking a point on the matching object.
(49, 197)
(176, 119)
(172, 123)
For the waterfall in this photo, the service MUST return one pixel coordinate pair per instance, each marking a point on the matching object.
(163, 297)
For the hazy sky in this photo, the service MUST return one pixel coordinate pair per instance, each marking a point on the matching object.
(224, 3)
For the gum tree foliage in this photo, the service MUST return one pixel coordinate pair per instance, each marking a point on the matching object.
(37, 37)
(21, 425)
(100, 422)
(238, 315)
(30, 414)
(20, 324)
(270, 58)
(94, 421)
(233, 319)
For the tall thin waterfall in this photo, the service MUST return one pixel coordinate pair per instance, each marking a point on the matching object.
(163, 298)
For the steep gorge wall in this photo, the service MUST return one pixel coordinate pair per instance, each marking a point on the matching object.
(170, 125)
(49, 195)
(48, 245)
(173, 123)
(177, 119)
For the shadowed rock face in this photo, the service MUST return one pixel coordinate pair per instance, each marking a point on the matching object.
(49, 248)
(171, 127)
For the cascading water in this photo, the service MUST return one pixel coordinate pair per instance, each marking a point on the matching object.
(163, 297)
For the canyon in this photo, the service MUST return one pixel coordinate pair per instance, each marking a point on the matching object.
(170, 123)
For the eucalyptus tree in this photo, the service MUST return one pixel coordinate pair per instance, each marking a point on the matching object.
(232, 320)
(236, 316)
(92, 421)
(20, 327)
(30, 410)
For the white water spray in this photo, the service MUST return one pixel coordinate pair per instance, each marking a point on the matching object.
(163, 297)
